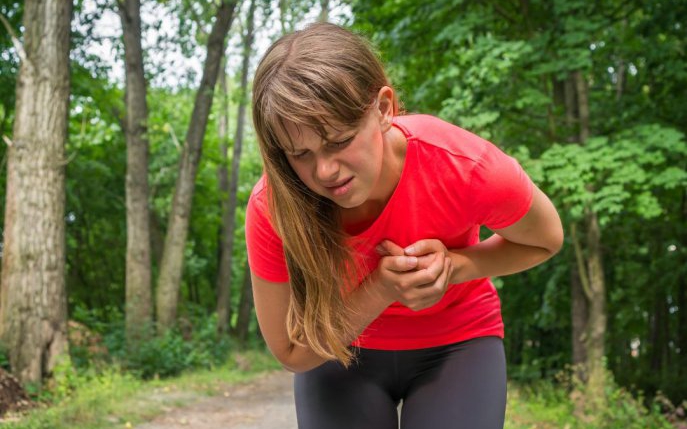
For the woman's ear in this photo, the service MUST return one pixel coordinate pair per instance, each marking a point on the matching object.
(385, 107)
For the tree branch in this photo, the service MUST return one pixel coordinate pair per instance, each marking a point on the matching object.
(584, 278)
(15, 40)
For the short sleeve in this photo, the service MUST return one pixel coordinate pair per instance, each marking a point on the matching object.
(265, 248)
(500, 190)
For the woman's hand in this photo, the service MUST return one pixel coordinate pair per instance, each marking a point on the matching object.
(417, 279)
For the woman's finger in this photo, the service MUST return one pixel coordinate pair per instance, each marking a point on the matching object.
(424, 247)
(389, 248)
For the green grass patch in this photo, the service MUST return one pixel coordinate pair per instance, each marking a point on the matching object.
(538, 406)
(114, 399)
(546, 405)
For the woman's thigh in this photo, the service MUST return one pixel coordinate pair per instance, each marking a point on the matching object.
(461, 386)
(333, 397)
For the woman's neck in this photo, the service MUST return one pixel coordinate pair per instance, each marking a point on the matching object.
(358, 219)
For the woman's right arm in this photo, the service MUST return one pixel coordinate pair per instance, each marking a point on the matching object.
(368, 301)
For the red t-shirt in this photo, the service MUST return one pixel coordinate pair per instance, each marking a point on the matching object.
(452, 182)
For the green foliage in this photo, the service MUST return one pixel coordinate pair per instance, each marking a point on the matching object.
(615, 176)
(95, 206)
(194, 344)
(4, 359)
(9, 61)
(625, 411)
(547, 404)
(172, 353)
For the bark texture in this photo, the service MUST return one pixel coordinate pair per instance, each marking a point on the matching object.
(591, 273)
(229, 214)
(138, 269)
(171, 267)
(33, 312)
(243, 317)
(223, 285)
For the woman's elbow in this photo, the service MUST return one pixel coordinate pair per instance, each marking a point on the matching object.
(556, 240)
(298, 364)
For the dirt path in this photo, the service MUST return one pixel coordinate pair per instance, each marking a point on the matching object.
(265, 403)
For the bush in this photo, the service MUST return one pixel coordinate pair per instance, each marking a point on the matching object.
(553, 404)
(192, 344)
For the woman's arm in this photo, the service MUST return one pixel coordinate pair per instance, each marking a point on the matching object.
(379, 290)
(527, 243)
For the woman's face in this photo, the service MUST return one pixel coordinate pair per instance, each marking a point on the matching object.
(346, 166)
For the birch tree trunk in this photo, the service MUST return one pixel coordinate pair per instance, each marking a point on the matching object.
(229, 216)
(138, 293)
(33, 310)
(171, 267)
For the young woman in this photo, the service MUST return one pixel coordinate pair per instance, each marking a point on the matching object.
(369, 278)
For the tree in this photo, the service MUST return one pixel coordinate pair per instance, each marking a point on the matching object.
(138, 269)
(171, 266)
(229, 209)
(33, 312)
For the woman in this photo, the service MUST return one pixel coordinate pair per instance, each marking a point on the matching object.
(369, 279)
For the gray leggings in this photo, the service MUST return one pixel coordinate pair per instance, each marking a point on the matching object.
(461, 385)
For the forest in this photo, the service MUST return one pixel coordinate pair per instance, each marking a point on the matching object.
(128, 156)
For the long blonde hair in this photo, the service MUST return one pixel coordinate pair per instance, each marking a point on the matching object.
(317, 77)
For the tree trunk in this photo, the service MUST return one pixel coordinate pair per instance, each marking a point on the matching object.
(682, 327)
(171, 268)
(580, 315)
(581, 92)
(570, 109)
(33, 314)
(682, 299)
(283, 7)
(596, 324)
(324, 11)
(245, 308)
(578, 278)
(659, 333)
(223, 285)
(138, 293)
(157, 239)
(229, 215)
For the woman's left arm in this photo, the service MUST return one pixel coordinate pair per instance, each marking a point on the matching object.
(533, 239)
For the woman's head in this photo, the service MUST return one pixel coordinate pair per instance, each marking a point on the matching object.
(319, 77)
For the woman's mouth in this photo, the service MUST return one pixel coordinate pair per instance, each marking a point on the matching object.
(340, 188)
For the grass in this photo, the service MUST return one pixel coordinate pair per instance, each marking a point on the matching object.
(541, 407)
(112, 399)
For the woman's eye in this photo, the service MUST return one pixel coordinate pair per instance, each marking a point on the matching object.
(299, 155)
(340, 144)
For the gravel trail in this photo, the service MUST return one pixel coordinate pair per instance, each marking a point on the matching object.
(264, 403)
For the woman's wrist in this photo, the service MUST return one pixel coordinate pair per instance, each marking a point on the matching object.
(378, 292)
(464, 269)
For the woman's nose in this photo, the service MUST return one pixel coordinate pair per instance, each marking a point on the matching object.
(327, 168)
